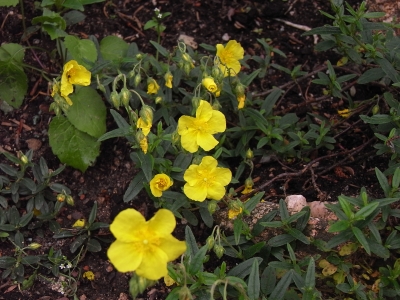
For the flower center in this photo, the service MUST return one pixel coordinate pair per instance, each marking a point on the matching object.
(161, 184)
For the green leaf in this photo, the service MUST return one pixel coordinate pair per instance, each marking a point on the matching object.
(150, 24)
(88, 112)
(30, 259)
(191, 244)
(324, 30)
(237, 229)
(309, 281)
(345, 206)
(7, 262)
(299, 235)
(383, 181)
(253, 286)
(388, 68)
(93, 213)
(366, 211)
(164, 52)
(280, 289)
(253, 201)
(113, 48)
(72, 146)
(74, 17)
(135, 186)
(78, 242)
(371, 75)
(268, 280)
(83, 51)
(243, 269)
(196, 264)
(7, 3)
(361, 238)
(13, 84)
(93, 245)
(247, 79)
(281, 240)
(270, 100)
(73, 4)
(339, 226)
(13, 53)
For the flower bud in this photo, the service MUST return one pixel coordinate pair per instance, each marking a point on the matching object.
(249, 154)
(175, 138)
(24, 159)
(375, 109)
(70, 200)
(184, 293)
(196, 102)
(212, 206)
(217, 73)
(216, 105)
(158, 100)
(187, 67)
(125, 96)
(209, 83)
(206, 259)
(146, 113)
(219, 250)
(139, 56)
(60, 197)
(131, 74)
(210, 242)
(239, 89)
(115, 99)
(137, 79)
(34, 246)
(168, 79)
(186, 57)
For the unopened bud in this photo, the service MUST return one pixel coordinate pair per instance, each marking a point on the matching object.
(196, 102)
(139, 56)
(125, 96)
(217, 73)
(216, 105)
(34, 246)
(212, 207)
(137, 79)
(186, 57)
(210, 242)
(24, 159)
(60, 197)
(70, 200)
(239, 89)
(375, 109)
(249, 154)
(175, 138)
(158, 100)
(146, 113)
(131, 74)
(219, 250)
(187, 67)
(184, 293)
(115, 99)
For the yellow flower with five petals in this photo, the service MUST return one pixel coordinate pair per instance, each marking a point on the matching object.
(198, 131)
(229, 57)
(160, 183)
(206, 180)
(73, 73)
(144, 246)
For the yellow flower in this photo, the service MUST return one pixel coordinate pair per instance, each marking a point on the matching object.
(144, 126)
(168, 79)
(206, 180)
(241, 100)
(159, 184)
(79, 223)
(199, 131)
(345, 113)
(88, 275)
(152, 86)
(73, 73)
(248, 186)
(144, 246)
(229, 57)
(234, 212)
(144, 145)
(209, 83)
(168, 280)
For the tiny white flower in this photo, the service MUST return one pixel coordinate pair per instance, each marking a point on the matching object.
(159, 16)
(62, 266)
(156, 9)
(69, 265)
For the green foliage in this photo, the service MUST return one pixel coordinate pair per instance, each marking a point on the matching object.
(13, 80)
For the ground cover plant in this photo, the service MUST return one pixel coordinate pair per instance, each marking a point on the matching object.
(197, 124)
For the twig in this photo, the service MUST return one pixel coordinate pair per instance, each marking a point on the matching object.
(298, 26)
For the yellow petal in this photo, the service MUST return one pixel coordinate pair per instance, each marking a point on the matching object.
(216, 191)
(126, 223)
(124, 256)
(191, 176)
(204, 112)
(206, 141)
(184, 123)
(153, 265)
(189, 141)
(209, 162)
(235, 49)
(163, 222)
(223, 175)
(172, 247)
(217, 122)
(196, 193)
